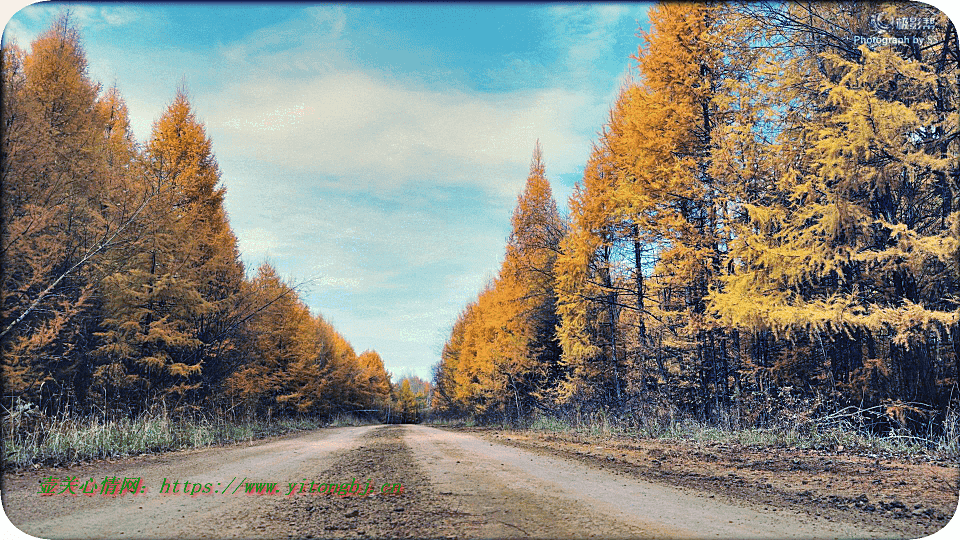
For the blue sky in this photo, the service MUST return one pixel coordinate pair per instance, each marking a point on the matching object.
(376, 150)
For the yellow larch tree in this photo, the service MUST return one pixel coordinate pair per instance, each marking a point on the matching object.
(169, 315)
(527, 282)
(662, 147)
(588, 302)
(850, 247)
(63, 209)
(502, 357)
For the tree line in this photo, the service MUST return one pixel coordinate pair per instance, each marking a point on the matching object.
(769, 220)
(123, 288)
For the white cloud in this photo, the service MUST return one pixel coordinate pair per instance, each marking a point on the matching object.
(16, 32)
(330, 20)
(288, 96)
(259, 243)
(41, 12)
(30, 21)
(309, 44)
(27, 23)
(351, 243)
(89, 17)
(587, 34)
(119, 15)
(329, 282)
(363, 126)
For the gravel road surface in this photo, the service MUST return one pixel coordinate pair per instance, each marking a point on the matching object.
(454, 485)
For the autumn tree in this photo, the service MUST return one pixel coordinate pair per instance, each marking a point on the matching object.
(503, 357)
(451, 376)
(412, 399)
(372, 381)
(648, 223)
(65, 165)
(295, 362)
(851, 247)
(670, 191)
(483, 360)
(278, 331)
(528, 278)
(588, 299)
(168, 321)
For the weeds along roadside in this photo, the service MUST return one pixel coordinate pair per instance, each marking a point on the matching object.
(33, 439)
(845, 430)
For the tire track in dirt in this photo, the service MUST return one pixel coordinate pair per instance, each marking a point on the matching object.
(909, 498)
(493, 496)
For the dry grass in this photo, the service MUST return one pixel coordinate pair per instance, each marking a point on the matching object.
(843, 429)
(32, 438)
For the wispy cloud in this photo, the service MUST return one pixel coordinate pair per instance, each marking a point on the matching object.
(305, 45)
(586, 33)
(119, 15)
(330, 20)
(385, 135)
(302, 104)
(259, 243)
(89, 17)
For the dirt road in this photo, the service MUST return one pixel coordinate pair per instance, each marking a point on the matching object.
(453, 485)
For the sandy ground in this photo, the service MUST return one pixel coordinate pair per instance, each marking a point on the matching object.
(455, 484)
